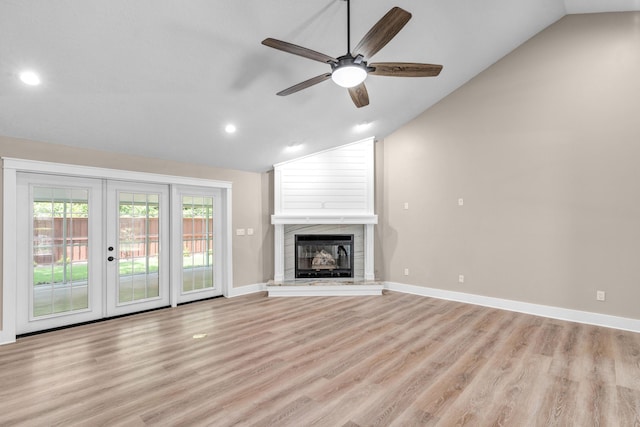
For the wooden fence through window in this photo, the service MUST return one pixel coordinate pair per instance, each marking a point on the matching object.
(55, 239)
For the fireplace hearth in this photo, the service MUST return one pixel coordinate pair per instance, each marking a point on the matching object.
(323, 255)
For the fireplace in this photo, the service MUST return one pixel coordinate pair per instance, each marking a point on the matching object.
(323, 255)
(326, 193)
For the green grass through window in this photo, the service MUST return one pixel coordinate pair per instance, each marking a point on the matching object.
(78, 272)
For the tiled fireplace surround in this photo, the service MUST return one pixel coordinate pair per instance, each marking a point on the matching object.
(363, 248)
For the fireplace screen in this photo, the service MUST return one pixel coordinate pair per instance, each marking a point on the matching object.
(324, 255)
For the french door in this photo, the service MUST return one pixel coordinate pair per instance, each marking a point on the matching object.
(93, 249)
(197, 260)
(137, 235)
(59, 273)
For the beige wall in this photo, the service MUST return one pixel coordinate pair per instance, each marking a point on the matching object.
(379, 252)
(268, 263)
(544, 148)
(251, 258)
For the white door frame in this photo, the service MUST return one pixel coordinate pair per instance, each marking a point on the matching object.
(10, 168)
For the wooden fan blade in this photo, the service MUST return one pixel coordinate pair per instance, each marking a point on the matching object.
(359, 95)
(305, 84)
(405, 69)
(298, 50)
(382, 32)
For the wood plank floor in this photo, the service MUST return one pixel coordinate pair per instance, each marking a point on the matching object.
(400, 360)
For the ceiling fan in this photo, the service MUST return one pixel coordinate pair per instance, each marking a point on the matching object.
(350, 71)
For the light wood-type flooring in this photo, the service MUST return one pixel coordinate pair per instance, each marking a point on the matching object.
(396, 359)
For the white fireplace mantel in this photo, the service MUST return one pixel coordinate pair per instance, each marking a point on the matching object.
(323, 219)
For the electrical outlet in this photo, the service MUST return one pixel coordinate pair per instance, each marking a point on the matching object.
(405, 206)
(600, 295)
(406, 271)
(240, 232)
(460, 278)
(461, 202)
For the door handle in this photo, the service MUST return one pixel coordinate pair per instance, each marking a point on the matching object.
(110, 258)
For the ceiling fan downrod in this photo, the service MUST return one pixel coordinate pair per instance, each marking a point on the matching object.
(349, 72)
(348, 27)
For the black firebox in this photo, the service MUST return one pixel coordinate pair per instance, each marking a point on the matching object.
(323, 255)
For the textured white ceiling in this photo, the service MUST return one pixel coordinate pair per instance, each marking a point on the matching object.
(161, 78)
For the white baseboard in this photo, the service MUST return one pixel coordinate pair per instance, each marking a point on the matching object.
(246, 290)
(7, 338)
(586, 317)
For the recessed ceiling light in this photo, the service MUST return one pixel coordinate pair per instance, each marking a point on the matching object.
(30, 78)
(361, 127)
(293, 147)
(230, 128)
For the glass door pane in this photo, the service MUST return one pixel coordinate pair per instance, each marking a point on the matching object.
(60, 250)
(197, 243)
(139, 246)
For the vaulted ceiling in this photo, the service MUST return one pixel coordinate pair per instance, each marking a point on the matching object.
(162, 78)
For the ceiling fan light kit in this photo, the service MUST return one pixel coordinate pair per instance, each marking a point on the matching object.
(347, 73)
(351, 71)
